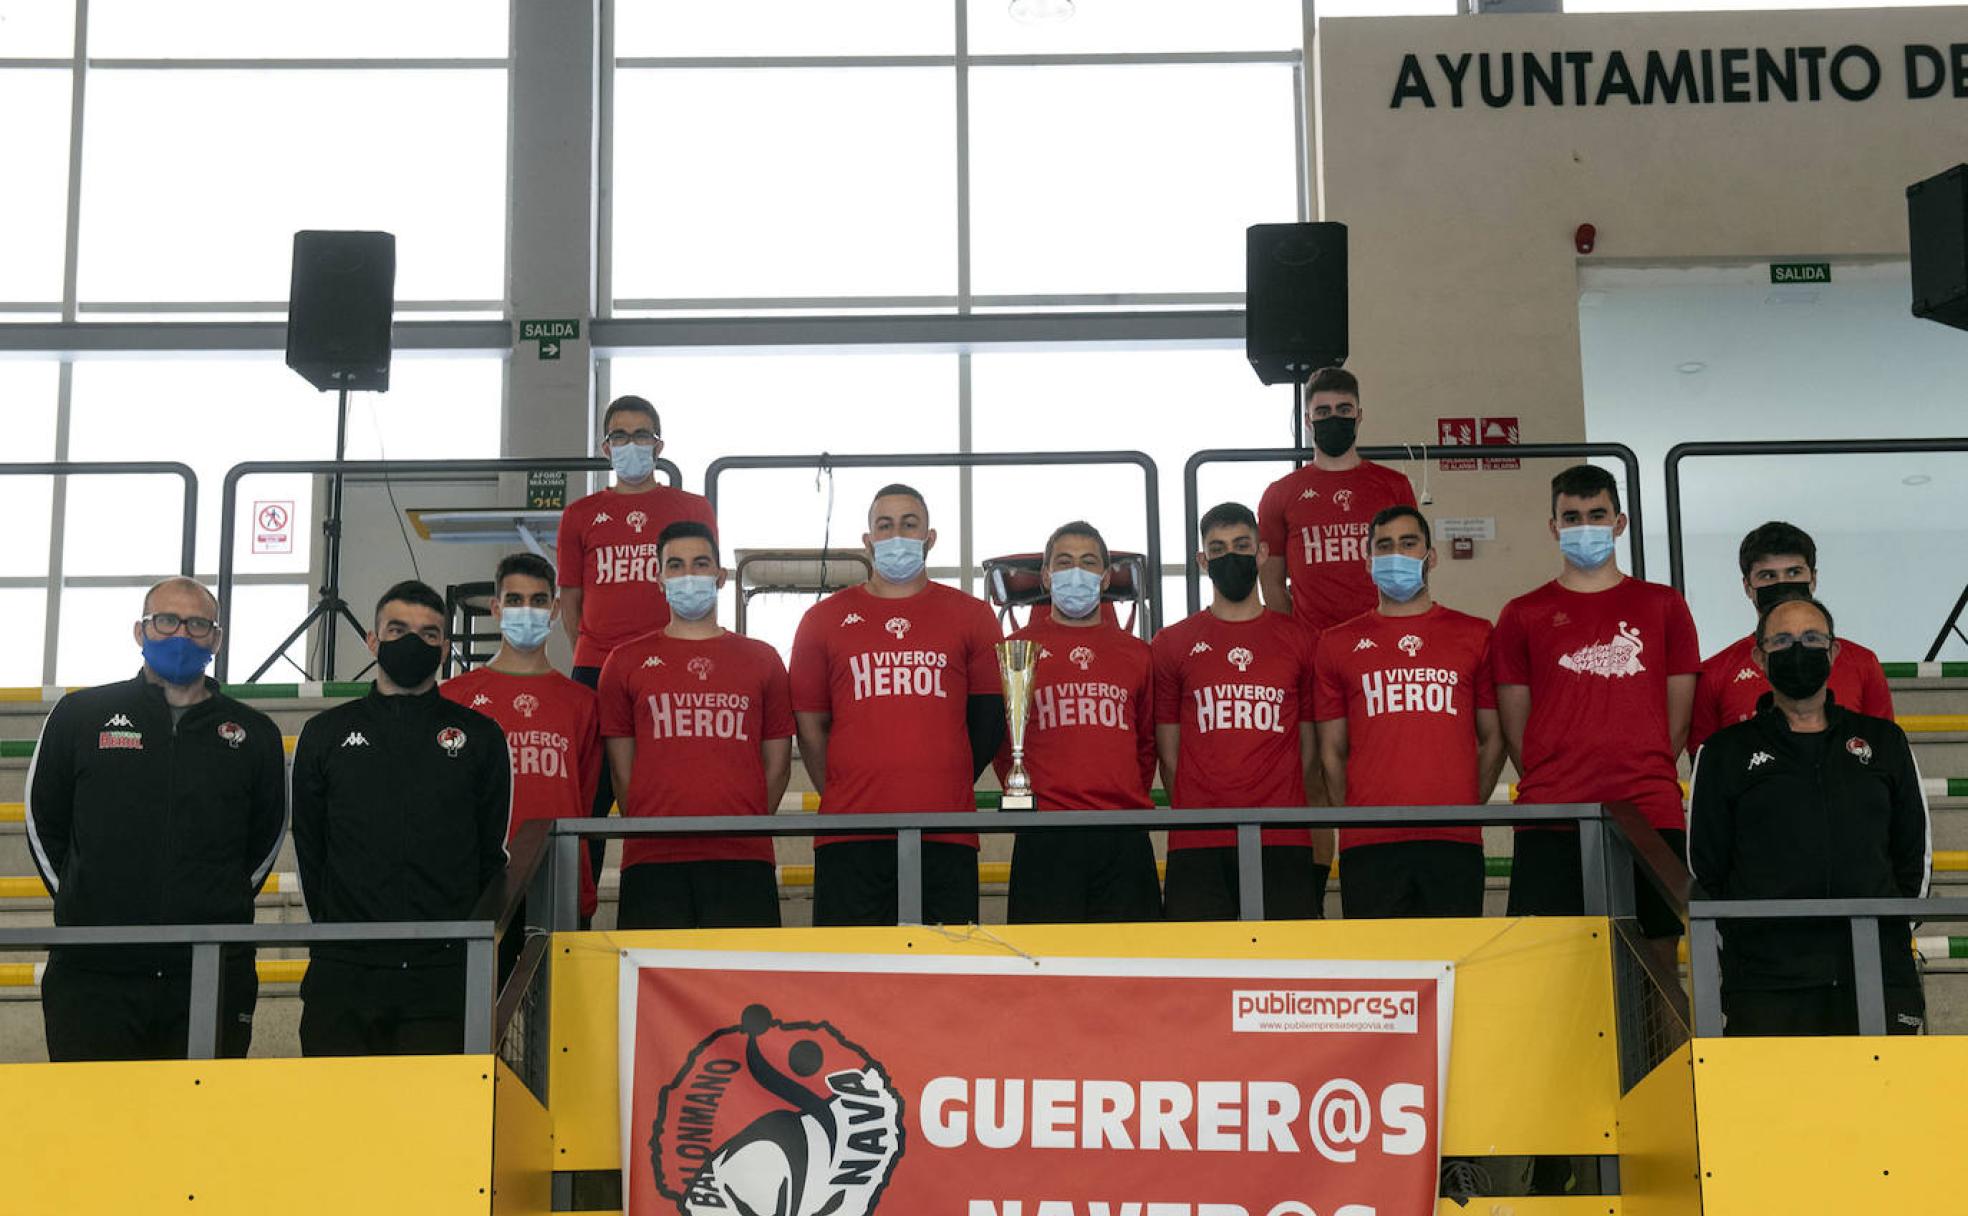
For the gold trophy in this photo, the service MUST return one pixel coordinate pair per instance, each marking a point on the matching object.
(1017, 662)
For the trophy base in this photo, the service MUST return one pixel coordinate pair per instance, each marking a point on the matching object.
(1017, 802)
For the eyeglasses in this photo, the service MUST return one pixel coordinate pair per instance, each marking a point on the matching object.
(1345, 409)
(168, 623)
(1810, 639)
(642, 439)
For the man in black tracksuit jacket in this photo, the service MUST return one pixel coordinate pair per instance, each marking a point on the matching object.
(155, 801)
(1808, 800)
(401, 801)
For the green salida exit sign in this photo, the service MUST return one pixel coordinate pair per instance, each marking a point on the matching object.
(1800, 272)
(549, 334)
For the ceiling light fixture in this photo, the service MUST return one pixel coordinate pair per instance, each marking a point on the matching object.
(1040, 12)
(1915, 479)
(1692, 367)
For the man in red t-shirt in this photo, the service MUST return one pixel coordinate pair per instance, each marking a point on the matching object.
(699, 721)
(1233, 728)
(551, 733)
(610, 576)
(1779, 561)
(1089, 746)
(896, 698)
(1314, 522)
(1407, 717)
(1595, 676)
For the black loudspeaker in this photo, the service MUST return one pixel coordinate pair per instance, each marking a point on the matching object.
(1294, 299)
(338, 309)
(1937, 237)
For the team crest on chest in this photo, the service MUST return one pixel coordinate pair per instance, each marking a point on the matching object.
(526, 703)
(1241, 658)
(1860, 748)
(1409, 645)
(899, 626)
(1344, 498)
(233, 733)
(699, 667)
(637, 520)
(1081, 657)
(452, 740)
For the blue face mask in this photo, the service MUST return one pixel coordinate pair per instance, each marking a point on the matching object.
(632, 461)
(525, 628)
(1587, 546)
(176, 659)
(899, 559)
(1398, 576)
(692, 596)
(1075, 592)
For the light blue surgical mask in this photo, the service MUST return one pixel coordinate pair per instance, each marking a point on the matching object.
(692, 596)
(1398, 576)
(1075, 592)
(1587, 546)
(632, 461)
(899, 559)
(525, 628)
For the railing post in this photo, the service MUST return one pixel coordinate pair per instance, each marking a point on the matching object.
(207, 991)
(565, 885)
(908, 877)
(1250, 872)
(481, 978)
(1592, 869)
(1705, 969)
(1867, 986)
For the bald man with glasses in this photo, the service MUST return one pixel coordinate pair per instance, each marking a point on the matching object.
(158, 800)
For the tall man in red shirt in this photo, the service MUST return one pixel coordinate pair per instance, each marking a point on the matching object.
(552, 733)
(1595, 677)
(1233, 726)
(1314, 522)
(699, 721)
(896, 698)
(1407, 717)
(1779, 561)
(1089, 746)
(610, 575)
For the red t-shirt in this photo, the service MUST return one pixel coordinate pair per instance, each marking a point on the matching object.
(897, 676)
(1731, 683)
(607, 547)
(1409, 688)
(1319, 523)
(1597, 666)
(554, 742)
(1090, 734)
(1238, 690)
(699, 711)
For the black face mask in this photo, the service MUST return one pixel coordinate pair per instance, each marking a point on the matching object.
(1234, 574)
(409, 660)
(1334, 436)
(1799, 672)
(1776, 593)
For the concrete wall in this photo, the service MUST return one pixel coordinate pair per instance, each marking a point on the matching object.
(1464, 275)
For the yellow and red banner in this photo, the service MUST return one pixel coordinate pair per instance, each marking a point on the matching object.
(842, 1085)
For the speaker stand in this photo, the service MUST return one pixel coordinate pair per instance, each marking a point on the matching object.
(1298, 422)
(330, 609)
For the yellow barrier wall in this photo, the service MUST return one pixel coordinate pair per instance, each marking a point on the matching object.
(1531, 1067)
(522, 1148)
(1830, 1125)
(1659, 1175)
(245, 1137)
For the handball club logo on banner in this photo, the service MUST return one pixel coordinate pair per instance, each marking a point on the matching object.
(803, 1085)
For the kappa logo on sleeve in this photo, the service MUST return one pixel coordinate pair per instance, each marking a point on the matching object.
(852, 618)
(1759, 759)
(602, 517)
(479, 700)
(787, 1118)
(654, 660)
(1746, 674)
(1199, 648)
(1364, 644)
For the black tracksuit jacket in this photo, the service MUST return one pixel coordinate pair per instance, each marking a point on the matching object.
(1775, 815)
(400, 812)
(133, 820)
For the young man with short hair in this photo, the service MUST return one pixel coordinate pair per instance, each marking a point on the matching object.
(896, 699)
(401, 805)
(156, 800)
(552, 730)
(1407, 717)
(1089, 746)
(699, 721)
(1314, 521)
(1595, 675)
(1779, 561)
(1233, 727)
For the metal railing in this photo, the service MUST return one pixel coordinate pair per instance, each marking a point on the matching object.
(445, 469)
(1863, 917)
(188, 528)
(1671, 470)
(1192, 509)
(1151, 475)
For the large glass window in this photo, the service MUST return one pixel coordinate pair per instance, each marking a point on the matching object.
(254, 29)
(34, 203)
